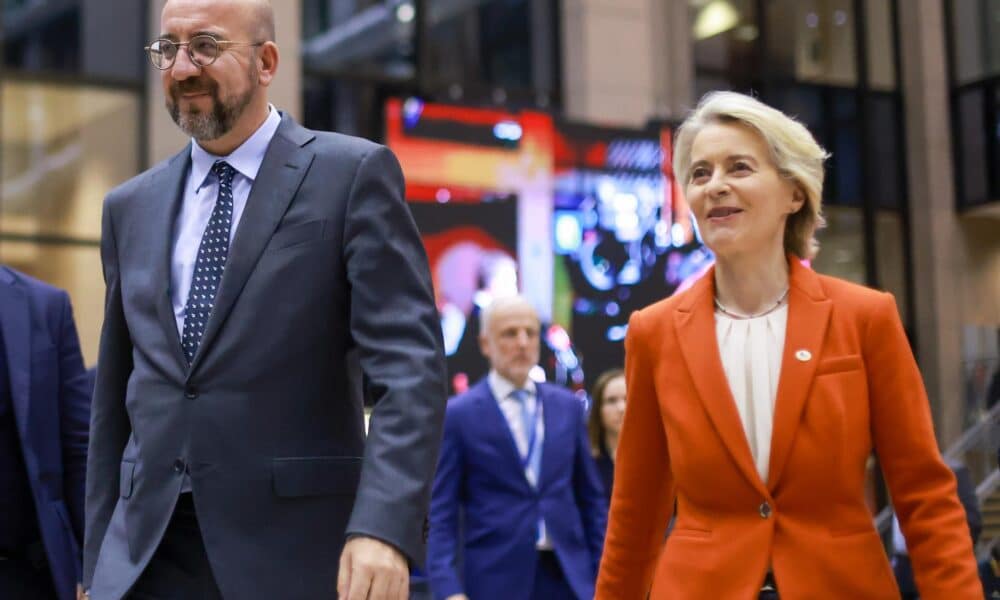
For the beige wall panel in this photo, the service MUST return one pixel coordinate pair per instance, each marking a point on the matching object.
(938, 254)
(619, 60)
(982, 271)
(672, 59)
(619, 54)
(618, 107)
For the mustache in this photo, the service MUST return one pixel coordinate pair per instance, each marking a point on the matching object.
(193, 86)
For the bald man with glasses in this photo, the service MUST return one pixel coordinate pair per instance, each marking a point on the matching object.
(260, 284)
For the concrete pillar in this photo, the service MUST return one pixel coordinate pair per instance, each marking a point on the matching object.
(626, 61)
(938, 255)
(672, 46)
(164, 139)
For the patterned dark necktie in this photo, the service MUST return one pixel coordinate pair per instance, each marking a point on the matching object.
(211, 261)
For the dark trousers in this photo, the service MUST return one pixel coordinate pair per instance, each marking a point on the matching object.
(769, 589)
(25, 579)
(903, 571)
(179, 569)
(550, 582)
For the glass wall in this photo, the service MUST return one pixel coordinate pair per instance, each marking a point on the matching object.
(358, 53)
(974, 45)
(833, 65)
(71, 101)
(92, 38)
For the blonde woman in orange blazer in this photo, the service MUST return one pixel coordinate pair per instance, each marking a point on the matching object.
(756, 396)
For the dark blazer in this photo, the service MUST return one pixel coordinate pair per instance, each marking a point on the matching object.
(326, 272)
(606, 469)
(51, 404)
(480, 475)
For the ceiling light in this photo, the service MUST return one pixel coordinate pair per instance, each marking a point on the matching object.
(718, 16)
(405, 12)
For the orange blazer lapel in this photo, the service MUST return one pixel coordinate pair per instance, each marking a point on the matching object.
(695, 322)
(808, 317)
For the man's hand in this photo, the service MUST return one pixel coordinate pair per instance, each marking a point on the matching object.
(80, 594)
(370, 569)
(457, 597)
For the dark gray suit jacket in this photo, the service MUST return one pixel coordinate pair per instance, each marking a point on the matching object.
(326, 271)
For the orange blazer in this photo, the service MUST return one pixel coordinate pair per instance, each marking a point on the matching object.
(848, 384)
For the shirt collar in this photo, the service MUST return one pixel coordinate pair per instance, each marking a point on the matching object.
(502, 387)
(246, 159)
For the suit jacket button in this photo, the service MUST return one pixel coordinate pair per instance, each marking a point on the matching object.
(765, 510)
(190, 393)
(178, 466)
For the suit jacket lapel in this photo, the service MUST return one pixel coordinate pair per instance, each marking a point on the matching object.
(695, 322)
(285, 164)
(15, 319)
(551, 443)
(166, 190)
(808, 317)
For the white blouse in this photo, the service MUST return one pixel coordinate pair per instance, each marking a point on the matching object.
(751, 352)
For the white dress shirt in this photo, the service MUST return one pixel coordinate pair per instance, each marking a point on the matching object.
(512, 412)
(898, 541)
(751, 352)
(200, 192)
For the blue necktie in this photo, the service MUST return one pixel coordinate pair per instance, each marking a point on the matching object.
(533, 454)
(532, 461)
(212, 254)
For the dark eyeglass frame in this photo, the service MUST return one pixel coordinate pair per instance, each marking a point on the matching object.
(222, 45)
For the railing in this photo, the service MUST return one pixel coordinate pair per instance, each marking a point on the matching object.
(986, 428)
(983, 491)
(976, 448)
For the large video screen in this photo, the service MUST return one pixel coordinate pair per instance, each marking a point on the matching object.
(583, 221)
(471, 247)
(621, 238)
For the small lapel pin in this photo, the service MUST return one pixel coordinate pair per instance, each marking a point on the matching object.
(803, 355)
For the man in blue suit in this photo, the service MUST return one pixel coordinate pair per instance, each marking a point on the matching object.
(44, 416)
(516, 499)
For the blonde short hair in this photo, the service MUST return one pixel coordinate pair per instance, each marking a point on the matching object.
(795, 153)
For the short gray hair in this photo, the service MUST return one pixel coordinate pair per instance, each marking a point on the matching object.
(500, 303)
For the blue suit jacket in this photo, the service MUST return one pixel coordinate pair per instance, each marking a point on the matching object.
(51, 402)
(480, 481)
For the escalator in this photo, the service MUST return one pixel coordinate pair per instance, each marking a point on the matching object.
(976, 448)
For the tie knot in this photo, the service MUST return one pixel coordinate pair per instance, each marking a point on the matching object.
(223, 170)
(519, 395)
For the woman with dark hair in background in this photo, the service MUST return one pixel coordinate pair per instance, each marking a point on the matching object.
(607, 409)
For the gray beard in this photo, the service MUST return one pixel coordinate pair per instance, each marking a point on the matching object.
(207, 126)
(211, 125)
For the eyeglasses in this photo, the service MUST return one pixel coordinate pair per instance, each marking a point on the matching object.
(201, 49)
